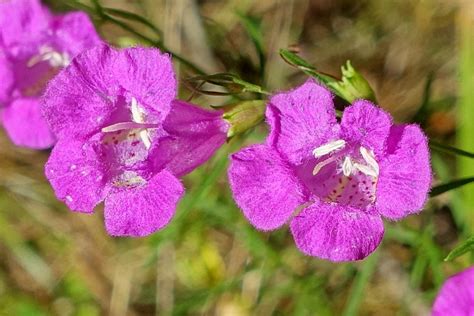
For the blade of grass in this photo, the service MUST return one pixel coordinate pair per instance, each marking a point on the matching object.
(466, 246)
(450, 149)
(445, 187)
(361, 280)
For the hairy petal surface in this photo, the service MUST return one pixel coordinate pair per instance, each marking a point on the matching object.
(301, 120)
(194, 135)
(336, 232)
(25, 126)
(264, 186)
(73, 32)
(366, 124)
(80, 98)
(405, 174)
(149, 77)
(87, 93)
(76, 175)
(456, 296)
(22, 21)
(142, 210)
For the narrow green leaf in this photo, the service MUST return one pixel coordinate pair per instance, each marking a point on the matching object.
(466, 246)
(358, 288)
(445, 187)
(231, 82)
(449, 149)
(298, 62)
(133, 17)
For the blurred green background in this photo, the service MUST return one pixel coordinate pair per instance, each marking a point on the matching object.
(419, 57)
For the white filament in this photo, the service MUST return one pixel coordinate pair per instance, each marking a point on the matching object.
(48, 54)
(369, 157)
(347, 166)
(321, 164)
(138, 116)
(329, 148)
(366, 169)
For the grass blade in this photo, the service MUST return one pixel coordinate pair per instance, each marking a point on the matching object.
(466, 246)
(445, 187)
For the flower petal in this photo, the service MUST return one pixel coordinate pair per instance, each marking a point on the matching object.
(456, 296)
(86, 94)
(73, 32)
(366, 124)
(148, 75)
(76, 175)
(141, 211)
(405, 174)
(25, 126)
(264, 187)
(79, 99)
(194, 136)
(6, 73)
(301, 120)
(22, 21)
(336, 232)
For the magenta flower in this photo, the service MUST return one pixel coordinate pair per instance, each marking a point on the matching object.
(456, 297)
(123, 139)
(342, 178)
(34, 46)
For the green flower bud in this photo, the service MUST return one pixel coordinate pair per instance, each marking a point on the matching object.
(353, 85)
(243, 115)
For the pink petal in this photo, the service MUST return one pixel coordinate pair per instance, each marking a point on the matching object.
(194, 135)
(264, 187)
(141, 211)
(456, 297)
(301, 120)
(336, 232)
(85, 95)
(366, 124)
(25, 126)
(22, 21)
(405, 174)
(6, 73)
(148, 75)
(79, 99)
(76, 175)
(74, 32)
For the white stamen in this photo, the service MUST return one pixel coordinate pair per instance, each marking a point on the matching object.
(366, 170)
(321, 164)
(54, 58)
(145, 138)
(347, 166)
(369, 157)
(137, 114)
(126, 126)
(139, 117)
(329, 148)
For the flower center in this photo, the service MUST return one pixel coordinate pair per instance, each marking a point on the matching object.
(48, 54)
(34, 74)
(129, 141)
(137, 127)
(345, 174)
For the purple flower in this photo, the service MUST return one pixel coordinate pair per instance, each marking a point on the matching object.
(340, 178)
(34, 46)
(123, 139)
(456, 297)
